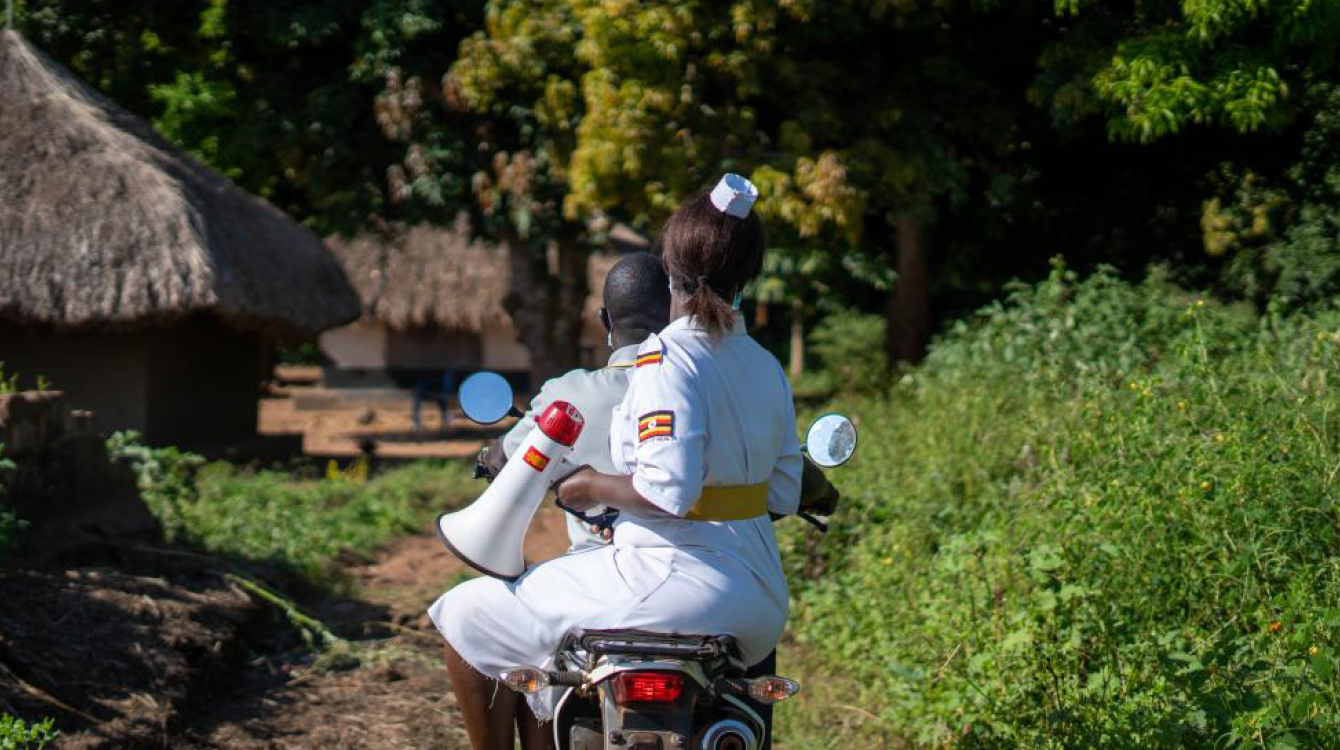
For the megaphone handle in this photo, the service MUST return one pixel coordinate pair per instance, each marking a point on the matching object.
(604, 520)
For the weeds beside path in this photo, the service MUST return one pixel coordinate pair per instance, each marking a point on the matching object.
(398, 697)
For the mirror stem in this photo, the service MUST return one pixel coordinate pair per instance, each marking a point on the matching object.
(820, 525)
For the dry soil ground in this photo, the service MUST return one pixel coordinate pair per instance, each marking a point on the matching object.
(130, 646)
(399, 699)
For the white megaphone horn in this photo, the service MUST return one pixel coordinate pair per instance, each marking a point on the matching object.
(488, 534)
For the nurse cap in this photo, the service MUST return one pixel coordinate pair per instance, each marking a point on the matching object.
(734, 195)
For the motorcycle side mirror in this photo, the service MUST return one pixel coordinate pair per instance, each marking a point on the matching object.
(486, 397)
(831, 440)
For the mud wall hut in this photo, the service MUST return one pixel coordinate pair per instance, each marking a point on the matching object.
(136, 280)
(433, 304)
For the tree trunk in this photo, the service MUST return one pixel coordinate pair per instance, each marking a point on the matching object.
(908, 313)
(546, 298)
(797, 338)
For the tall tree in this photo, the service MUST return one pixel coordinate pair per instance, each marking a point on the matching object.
(516, 80)
(861, 121)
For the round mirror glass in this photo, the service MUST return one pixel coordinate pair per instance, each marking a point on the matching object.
(831, 440)
(485, 397)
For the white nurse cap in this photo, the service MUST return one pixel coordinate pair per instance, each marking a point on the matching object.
(734, 195)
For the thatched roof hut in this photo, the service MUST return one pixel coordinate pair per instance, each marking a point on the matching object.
(427, 276)
(433, 301)
(104, 221)
(131, 276)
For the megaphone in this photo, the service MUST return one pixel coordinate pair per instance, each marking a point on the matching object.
(488, 534)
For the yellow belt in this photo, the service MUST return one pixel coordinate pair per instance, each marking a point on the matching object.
(730, 503)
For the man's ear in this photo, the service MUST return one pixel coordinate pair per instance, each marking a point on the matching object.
(604, 316)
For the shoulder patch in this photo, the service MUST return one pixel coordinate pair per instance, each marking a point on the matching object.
(651, 352)
(656, 424)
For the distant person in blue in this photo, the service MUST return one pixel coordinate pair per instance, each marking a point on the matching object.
(424, 391)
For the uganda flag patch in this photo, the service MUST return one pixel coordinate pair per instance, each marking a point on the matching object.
(650, 358)
(656, 424)
(536, 459)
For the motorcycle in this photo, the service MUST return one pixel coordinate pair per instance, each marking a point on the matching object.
(638, 690)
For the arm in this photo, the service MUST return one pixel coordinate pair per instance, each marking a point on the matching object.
(587, 488)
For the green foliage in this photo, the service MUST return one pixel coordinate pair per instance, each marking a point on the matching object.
(303, 353)
(17, 734)
(1280, 231)
(850, 350)
(9, 382)
(1159, 68)
(10, 524)
(1101, 515)
(271, 517)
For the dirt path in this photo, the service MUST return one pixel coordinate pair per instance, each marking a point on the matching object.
(401, 699)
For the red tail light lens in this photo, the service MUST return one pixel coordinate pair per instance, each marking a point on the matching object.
(647, 687)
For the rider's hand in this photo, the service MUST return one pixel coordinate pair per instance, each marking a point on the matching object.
(605, 533)
(818, 496)
(575, 490)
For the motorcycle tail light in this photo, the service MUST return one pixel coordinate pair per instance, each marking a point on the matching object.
(772, 689)
(526, 679)
(647, 687)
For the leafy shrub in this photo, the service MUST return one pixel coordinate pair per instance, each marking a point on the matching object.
(268, 516)
(850, 350)
(17, 734)
(1101, 515)
(10, 524)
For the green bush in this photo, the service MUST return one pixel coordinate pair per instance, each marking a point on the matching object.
(850, 350)
(1100, 515)
(17, 734)
(10, 524)
(269, 516)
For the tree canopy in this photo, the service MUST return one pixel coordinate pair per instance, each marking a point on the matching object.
(913, 155)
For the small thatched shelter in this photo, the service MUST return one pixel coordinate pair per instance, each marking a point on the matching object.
(433, 304)
(131, 276)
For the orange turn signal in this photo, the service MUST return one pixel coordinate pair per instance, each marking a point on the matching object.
(526, 679)
(772, 689)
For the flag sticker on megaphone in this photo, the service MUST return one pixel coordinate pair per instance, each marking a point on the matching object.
(489, 534)
(536, 459)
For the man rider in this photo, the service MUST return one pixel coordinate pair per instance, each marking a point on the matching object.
(636, 300)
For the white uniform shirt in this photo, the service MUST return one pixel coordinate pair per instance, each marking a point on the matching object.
(699, 413)
(595, 393)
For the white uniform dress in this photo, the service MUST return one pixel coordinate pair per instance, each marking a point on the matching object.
(595, 393)
(723, 417)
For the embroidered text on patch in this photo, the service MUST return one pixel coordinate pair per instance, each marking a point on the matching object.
(656, 424)
(536, 459)
(650, 358)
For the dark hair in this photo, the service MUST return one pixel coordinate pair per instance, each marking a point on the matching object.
(637, 296)
(710, 255)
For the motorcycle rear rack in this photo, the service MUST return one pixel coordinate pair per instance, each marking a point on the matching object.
(643, 643)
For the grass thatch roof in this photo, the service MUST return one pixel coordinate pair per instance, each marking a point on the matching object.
(103, 221)
(438, 276)
(427, 276)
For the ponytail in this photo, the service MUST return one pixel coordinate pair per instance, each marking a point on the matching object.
(711, 312)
